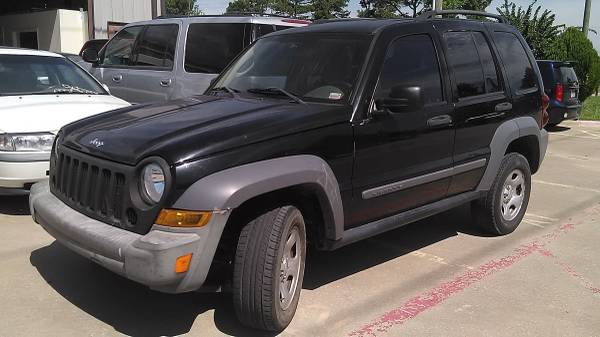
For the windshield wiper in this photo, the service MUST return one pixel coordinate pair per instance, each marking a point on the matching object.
(227, 89)
(276, 91)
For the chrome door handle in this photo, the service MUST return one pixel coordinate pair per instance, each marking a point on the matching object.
(503, 107)
(441, 120)
(165, 82)
(117, 78)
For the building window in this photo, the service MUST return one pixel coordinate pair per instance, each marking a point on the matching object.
(28, 40)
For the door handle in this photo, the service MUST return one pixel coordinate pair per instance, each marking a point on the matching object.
(165, 82)
(503, 107)
(117, 78)
(441, 120)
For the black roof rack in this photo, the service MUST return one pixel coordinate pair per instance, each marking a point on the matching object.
(432, 14)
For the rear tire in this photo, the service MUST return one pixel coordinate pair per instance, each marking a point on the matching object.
(500, 212)
(552, 125)
(269, 269)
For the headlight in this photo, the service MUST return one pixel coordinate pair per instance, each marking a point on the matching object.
(153, 182)
(26, 142)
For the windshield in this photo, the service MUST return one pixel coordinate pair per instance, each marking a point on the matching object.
(42, 75)
(313, 67)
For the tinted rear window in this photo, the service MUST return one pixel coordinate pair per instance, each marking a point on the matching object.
(567, 74)
(516, 62)
(211, 46)
(464, 60)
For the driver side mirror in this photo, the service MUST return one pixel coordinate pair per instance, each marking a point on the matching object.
(90, 55)
(401, 99)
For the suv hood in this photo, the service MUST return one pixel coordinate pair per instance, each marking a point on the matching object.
(48, 113)
(183, 130)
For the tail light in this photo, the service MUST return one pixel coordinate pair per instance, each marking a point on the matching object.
(544, 118)
(559, 92)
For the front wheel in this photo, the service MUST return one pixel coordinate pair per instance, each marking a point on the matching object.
(502, 209)
(269, 269)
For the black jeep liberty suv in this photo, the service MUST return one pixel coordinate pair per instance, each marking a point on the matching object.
(313, 137)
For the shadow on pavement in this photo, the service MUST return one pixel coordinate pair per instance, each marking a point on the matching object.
(14, 202)
(133, 309)
(558, 128)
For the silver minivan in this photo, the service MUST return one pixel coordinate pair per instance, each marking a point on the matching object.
(170, 58)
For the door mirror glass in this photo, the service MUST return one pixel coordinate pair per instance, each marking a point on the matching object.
(90, 55)
(401, 99)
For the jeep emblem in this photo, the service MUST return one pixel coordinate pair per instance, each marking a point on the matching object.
(96, 142)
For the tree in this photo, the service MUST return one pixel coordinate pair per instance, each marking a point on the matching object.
(327, 9)
(538, 30)
(573, 45)
(249, 6)
(414, 8)
(182, 7)
(292, 8)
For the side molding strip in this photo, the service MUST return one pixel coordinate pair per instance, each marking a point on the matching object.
(424, 179)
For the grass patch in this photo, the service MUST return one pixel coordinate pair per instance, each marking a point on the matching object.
(591, 109)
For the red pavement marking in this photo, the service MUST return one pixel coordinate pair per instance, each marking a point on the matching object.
(570, 270)
(437, 295)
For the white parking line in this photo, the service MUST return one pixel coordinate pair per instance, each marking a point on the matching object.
(540, 216)
(566, 186)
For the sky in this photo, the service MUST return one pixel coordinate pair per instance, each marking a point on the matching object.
(568, 12)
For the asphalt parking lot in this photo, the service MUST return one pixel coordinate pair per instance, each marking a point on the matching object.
(437, 277)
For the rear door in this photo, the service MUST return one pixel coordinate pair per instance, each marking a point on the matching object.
(481, 103)
(115, 60)
(151, 77)
(403, 156)
(568, 79)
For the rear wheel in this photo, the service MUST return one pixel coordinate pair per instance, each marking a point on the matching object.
(502, 209)
(269, 269)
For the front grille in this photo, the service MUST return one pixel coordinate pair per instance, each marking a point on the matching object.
(95, 187)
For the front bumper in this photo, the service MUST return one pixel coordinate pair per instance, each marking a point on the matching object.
(22, 174)
(148, 259)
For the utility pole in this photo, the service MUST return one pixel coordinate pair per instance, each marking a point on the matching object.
(437, 5)
(586, 17)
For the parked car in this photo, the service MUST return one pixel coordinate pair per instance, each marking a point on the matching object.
(314, 137)
(175, 57)
(562, 86)
(39, 93)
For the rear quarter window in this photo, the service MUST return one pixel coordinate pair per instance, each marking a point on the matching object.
(519, 69)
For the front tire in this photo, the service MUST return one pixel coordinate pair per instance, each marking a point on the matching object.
(269, 269)
(500, 212)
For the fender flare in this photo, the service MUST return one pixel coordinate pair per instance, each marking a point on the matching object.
(228, 189)
(505, 134)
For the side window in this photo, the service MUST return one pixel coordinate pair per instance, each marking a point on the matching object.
(118, 51)
(211, 46)
(402, 70)
(156, 47)
(490, 74)
(464, 60)
(516, 62)
(263, 29)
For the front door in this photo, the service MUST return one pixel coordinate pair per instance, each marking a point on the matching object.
(404, 146)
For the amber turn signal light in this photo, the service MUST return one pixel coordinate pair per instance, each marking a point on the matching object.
(182, 264)
(181, 218)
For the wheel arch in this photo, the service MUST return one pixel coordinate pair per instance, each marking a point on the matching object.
(521, 135)
(283, 177)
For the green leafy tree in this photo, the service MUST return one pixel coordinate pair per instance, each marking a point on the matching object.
(292, 8)
(573, 45)
(182, 7)
(537, 27)
(414, 8)
(327, 9)
(249, 6)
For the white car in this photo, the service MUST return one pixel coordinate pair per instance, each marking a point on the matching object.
(39, 93)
